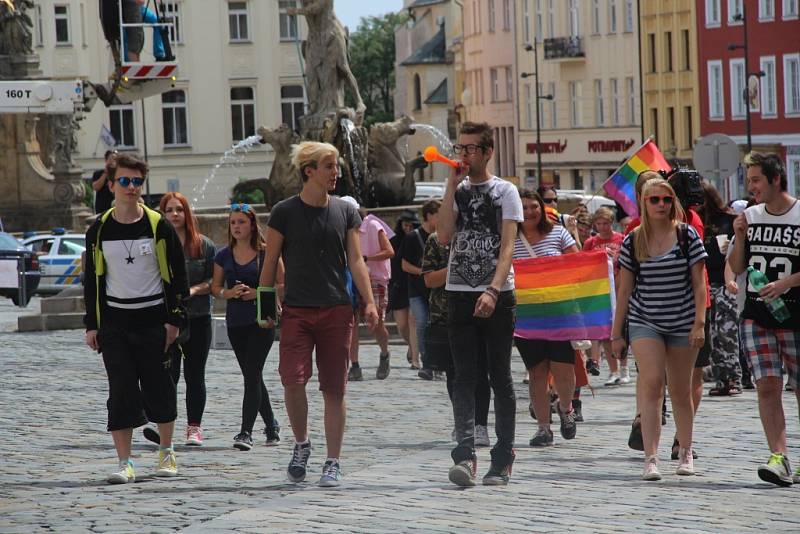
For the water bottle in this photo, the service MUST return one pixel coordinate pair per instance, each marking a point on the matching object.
(776, 307)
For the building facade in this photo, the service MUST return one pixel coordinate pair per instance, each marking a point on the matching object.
(239, 68)
(771, 73)
(670, 72)
(426, 76)
(588, 84)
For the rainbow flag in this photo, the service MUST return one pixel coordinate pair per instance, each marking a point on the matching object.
(621, 186)
(565, 298)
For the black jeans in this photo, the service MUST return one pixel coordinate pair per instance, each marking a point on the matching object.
(251, 345)
(470, 337)
(195, 356)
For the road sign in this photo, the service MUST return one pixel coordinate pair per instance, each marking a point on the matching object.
(716, 156)
(41, 96)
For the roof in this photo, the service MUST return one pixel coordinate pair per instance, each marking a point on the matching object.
(438, 95)
(423, 3)
(432, 52)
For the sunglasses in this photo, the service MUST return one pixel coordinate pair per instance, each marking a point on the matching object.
(244, 208)
(550, 200)
(125, 181)
(656, 200)
(469, 149)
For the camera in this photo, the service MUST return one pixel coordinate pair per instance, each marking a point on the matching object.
(687, 184)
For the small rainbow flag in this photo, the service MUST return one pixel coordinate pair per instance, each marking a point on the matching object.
(621, 186)
(565, 298)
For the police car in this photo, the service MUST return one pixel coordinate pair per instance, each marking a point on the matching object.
(59, 256)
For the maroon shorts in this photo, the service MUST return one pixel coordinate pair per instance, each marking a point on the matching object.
(326, 329)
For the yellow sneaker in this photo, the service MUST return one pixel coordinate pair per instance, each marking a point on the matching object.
(167, 464)
(124, 475)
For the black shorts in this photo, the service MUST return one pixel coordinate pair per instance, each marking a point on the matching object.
(398, 296)
(140, 384)
(437, 354)
(535, 351)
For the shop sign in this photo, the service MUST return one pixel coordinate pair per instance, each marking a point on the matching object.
(547, 148)
(617, 145)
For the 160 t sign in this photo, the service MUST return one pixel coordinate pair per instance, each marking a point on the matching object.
(18, 93)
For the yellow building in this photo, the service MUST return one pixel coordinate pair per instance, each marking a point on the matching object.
(670, 83)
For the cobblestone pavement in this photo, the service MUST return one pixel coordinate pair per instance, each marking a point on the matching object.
(55, 454)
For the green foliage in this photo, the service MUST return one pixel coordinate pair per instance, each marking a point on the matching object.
(372, 59)
(88, 194)
(254, 197)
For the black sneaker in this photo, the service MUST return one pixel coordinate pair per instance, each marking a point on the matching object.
(577, 407)
(425, 374)
(635, 440)
(498, 476)
(355, 374)
(383, 367)
(151, 434)
(543, 438)
(243, 441)
(568, 426)
(592, 368)
(463, 473)
(273, 434)
(297, 467)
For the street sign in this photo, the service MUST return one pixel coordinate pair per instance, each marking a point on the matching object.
(716, 156)
(41, 96)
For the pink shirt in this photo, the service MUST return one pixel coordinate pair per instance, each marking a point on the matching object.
(369, 238)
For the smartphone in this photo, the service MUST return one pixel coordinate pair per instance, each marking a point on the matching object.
(266, 305)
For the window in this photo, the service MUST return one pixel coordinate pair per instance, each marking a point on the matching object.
(574, 22)
(417, 92)
(716, 99)
(791, 81)
(243, 112)
(671, 126)
(237, 21)
(172, 13)
(766, 9)
(712, 13)
(173, 185)
(293, 105)
(122, 125)
(83, 24)
(631, 87)
(71, 246)
(668, 51)
(654, 123)
(628, 16)
(507, 15)
(553, 116)
(174, 115)
(551, 16)
(39, 26)
(495, 85)
(687, 111)
(595, 17)
(491, 16)
(738, 83)
(528, 107)
(287, 22)
(539, 21)
(509, 85)
(769, 106)
(599, 108)
(651, 40)
(790, 9)
(577, 179)
(61, 13)
(687, 50)
(614, 85)
(575, 104)
(734, 10)
(612, 16)
(526, 22)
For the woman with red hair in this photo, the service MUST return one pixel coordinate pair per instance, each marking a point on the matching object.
(199, 252)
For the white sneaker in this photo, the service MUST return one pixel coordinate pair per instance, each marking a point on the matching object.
(481, 436)
(167, 464)
(624, 377)
(651, 469)
(685, 462)
(124, 475)
(613, 380)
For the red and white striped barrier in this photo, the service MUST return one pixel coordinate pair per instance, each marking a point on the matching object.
(151, 71)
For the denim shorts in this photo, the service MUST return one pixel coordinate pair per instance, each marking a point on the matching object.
(639, 331)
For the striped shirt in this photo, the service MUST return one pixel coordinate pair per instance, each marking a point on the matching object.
(662, 298)
(553, 244)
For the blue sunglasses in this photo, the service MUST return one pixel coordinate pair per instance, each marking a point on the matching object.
(240, 207)
(125, 181)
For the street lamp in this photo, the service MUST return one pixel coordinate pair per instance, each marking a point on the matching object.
(535, 75)
(742, 17)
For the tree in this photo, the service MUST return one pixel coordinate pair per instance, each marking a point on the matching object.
(372, 60)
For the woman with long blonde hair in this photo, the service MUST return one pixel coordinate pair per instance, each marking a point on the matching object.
(662, 292)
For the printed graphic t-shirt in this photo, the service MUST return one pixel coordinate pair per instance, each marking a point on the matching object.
(773, 247)
(475, 247)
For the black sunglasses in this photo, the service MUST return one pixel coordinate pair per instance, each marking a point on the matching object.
(655, 200)
(550, 200)
(469, 149)
(125, 181)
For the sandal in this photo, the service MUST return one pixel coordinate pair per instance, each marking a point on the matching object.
(734, 389)
(719, 390)
(676, 448)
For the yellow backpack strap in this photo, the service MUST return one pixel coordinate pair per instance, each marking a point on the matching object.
(99, 262)
(161, 246)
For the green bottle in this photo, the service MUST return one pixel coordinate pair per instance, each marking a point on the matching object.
(776, 307)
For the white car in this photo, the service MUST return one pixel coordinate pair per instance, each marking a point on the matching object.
(429, 191)
(59, 256)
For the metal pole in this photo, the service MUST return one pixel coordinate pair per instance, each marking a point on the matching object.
(22, 286)
(746, 90)
(641, 69)
(144, 141)
(538, 118)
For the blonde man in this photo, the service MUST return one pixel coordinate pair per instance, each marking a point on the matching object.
(317, 236)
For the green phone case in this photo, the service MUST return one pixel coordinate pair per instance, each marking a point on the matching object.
(266, 301)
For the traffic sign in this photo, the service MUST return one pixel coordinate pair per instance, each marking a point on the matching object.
(716, 157)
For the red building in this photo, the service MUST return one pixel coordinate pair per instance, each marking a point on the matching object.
(773, 30)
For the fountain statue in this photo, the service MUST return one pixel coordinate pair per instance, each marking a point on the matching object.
(392, 184)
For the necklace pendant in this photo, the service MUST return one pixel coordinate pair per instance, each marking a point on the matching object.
(129, 259)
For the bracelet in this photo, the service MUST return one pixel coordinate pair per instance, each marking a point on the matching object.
(492, 292)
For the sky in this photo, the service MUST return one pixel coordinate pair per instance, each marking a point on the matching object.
(351, 11)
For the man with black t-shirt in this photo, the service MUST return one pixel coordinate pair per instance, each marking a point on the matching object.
(135, 290)
(100, 184)
(768, 239)
(418, 293)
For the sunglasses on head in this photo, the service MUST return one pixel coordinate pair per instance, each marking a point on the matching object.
(550, 200)
(125, 181)
(244, 208)
(656, 200)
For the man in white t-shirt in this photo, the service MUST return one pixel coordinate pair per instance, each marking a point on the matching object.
(479, 218)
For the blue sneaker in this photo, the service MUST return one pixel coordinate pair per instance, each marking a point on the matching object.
(331, 475)
(297, 467)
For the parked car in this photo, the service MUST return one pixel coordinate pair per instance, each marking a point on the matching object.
(60, 260)
(11, 250)
(428, 191)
